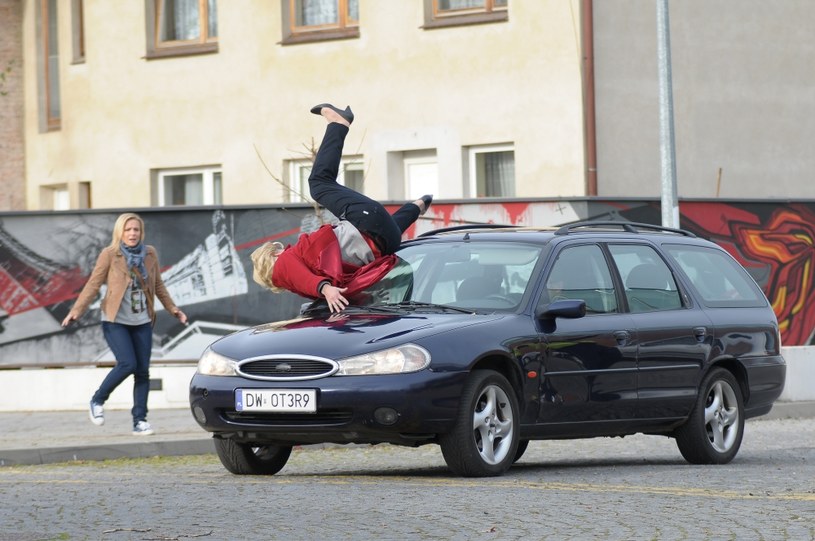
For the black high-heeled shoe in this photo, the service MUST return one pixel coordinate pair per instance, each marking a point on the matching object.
(347, 114)
(427, 200)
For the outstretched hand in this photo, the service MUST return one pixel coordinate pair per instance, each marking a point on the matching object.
(333, 296)
(182, 317)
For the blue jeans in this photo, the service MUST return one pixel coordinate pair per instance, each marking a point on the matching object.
(131, 345)
(367, 215)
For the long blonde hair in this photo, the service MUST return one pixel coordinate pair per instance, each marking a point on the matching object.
(119, 228)
(263, 262)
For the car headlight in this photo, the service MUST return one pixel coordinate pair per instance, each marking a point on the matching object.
(215, 364)
(398, 360)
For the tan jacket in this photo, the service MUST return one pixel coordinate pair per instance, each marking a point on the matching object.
(111, 269)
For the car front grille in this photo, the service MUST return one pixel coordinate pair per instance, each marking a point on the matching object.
(286, 368)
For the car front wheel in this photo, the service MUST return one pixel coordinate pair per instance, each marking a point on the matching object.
(714, 430)
(522, 445)
(484, 440)
(250, 459)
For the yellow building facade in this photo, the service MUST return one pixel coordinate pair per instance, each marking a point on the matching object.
(157, 102)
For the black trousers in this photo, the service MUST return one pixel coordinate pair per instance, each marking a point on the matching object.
(367, 215)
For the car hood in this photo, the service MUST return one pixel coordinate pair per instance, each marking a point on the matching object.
(341, 336)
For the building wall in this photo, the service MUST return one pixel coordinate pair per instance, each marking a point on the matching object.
(742, 90)
(411, 89)
(12, 163)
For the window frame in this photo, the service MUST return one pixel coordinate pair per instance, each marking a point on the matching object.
(209, 190)
(472, 168)
(634, 298)
(608, 296)
(163, 49)
(55, 197)
(729, 269)
(490, 13)
(301, 193)
(66, 196)
(293, 34)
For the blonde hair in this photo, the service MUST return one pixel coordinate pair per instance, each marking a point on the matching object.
(119, 228)
(263, 262)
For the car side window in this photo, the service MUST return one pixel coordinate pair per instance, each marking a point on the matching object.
(649, 283)
(718, 278)
(581, 272)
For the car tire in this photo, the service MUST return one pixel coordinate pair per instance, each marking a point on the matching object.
(714, 430)
(484, 440)
(522, 445)
(251, 459)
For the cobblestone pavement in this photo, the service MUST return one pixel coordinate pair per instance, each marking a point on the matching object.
(636, 488)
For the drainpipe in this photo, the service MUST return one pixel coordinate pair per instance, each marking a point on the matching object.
(590, 127)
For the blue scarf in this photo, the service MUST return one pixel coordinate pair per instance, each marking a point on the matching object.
(135, 257)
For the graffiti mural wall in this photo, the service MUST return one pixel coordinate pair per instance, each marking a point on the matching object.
(45, 260)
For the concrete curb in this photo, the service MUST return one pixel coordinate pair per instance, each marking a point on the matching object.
(791, 410)
(18, 457)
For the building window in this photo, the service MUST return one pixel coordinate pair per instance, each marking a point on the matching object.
(440, 13)
(200, 186)
(73, 195)
(48, 64)
(351, 174)
(421, 175)
(85, 201)
(492, 171)
(318, 20)
(181, 27)
(55, 197)
(78, 30)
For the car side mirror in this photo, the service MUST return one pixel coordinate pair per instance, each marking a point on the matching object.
(568, 308)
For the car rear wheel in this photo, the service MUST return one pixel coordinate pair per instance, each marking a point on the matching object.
(250, 459)
(484, 440)
(714, 430)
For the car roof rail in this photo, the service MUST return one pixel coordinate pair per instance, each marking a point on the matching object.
(630, 227)
(465, 227)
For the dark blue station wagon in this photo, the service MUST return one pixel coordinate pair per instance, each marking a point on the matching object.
(482, 339)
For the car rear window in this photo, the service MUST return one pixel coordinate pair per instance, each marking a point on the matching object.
(718, 278)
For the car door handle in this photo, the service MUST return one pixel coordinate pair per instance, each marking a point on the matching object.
(700, 333)
(622, 337)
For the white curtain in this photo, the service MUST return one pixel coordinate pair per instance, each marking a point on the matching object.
(499, 172)
(212, 16)
(318, 12)
(54, 104)
(460, 4)
(194, 190)
(179, 20)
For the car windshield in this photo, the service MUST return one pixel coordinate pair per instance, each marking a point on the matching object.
(471, 276)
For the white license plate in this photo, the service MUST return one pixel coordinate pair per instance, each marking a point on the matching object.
(280, 400)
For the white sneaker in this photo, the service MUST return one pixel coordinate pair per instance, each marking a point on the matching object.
(143, 428)
(96, 413)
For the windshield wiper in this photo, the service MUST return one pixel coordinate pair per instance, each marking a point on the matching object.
(353, 308)
(419, 304)
(370, 308)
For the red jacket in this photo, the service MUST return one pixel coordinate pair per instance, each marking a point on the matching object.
(316, 257)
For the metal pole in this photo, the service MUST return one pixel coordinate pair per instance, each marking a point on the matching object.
(667, 146)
